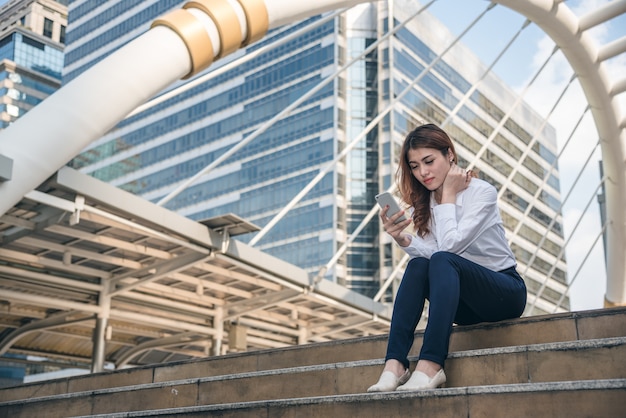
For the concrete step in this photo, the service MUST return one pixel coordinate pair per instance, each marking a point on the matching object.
(592, 398)
(571, 326)
(551, 362)
(537, 363)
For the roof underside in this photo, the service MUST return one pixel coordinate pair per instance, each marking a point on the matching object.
(175, 285)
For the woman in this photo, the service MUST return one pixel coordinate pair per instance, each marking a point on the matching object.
(461, 261)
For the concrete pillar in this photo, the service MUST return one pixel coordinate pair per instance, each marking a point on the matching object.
(218, 325)
(98, 355)
(237, 338)
(303, 337)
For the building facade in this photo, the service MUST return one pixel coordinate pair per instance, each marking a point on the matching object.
(32, 38)
(154, 151)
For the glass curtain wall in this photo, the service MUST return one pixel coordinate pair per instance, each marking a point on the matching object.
(154, 151)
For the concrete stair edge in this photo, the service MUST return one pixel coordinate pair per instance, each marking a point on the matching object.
(563, 386)
(543, 347)
(554, 346)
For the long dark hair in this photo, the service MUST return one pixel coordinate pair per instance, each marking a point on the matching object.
(412, 192)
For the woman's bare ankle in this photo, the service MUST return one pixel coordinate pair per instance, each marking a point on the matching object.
(430, 368)
(395, 367)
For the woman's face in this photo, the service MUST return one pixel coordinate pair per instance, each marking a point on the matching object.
(429, 166)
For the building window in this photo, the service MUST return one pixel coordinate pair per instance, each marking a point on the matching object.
(47, 28)
(6, 41)
(62, 34)
(33, 43)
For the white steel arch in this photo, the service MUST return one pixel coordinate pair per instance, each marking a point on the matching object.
(569, 33)
(186, 41)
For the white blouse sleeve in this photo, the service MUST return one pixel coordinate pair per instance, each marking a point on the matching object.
(421, 247)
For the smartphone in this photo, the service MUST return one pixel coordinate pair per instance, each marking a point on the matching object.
(385, 199)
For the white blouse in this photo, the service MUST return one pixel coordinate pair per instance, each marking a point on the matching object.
(471, 228)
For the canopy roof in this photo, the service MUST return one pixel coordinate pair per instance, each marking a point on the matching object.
(172, 288)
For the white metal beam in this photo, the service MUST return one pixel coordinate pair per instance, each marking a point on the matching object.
(63, 318)
(603, 13)
(559, 22)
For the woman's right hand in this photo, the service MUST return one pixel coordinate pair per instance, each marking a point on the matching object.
(394, 227)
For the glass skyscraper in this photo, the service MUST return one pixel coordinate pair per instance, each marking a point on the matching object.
(155, 150)
(32, 38)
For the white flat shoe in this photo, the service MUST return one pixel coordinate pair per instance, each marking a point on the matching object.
(421, 380)
(388, 382)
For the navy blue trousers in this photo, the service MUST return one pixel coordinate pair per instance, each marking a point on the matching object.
(459, 291)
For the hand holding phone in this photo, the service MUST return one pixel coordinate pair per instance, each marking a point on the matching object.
(385, 199)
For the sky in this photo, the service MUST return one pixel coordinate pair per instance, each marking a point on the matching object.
(516, 68)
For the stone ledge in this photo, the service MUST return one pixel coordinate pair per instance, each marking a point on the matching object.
(562, 346)
(524, 388)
